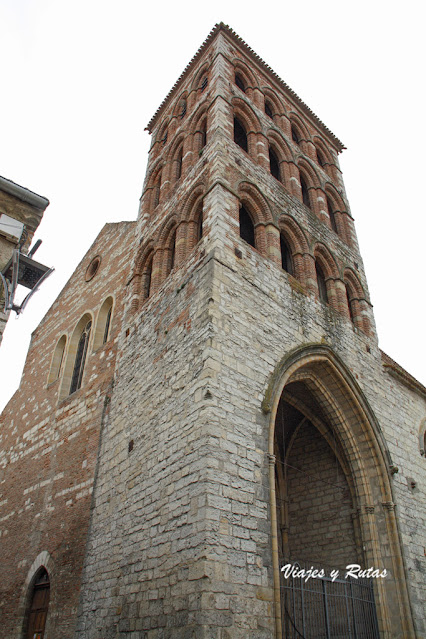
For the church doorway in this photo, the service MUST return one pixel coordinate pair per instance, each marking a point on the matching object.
(317, 525)
(38, 606)
(331, 506)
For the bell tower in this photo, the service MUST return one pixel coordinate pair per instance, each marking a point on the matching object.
(244, 428)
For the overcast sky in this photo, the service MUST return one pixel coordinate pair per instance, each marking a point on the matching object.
(81, 79)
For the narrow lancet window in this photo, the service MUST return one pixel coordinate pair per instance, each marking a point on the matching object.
(80, 358)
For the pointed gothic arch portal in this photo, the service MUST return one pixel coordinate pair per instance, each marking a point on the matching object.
(38, 606)
(331, 503)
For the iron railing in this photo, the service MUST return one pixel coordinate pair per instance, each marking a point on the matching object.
(323, 608)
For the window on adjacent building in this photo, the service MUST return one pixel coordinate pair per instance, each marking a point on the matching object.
(246, 227)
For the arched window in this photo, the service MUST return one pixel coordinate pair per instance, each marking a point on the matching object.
(240, 135)
(320, 158)
(246, 227)
(58, 357)
(322, 286)
(171, 258)
(350, 303)
(294, 135)
(156, 191)
(330, 208)
(268, 110)
(38, 606)
(240, 83)
(305, 192)
(179, 163)
(199, 221)
(182, 108)
(80, 358)
(203, 130)
(274, 164)
(286, 259)
(103, 324)
(146, 280)
(204, 83)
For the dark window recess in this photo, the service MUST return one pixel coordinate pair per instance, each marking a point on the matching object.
(268, 110)
(80, 358)
(173, 252)
(322, 287)
(157, 188)
(240, 135)
(348, 298)
(107, 324)
(146, 280)
(305, 193)
(320, 158)
(204, 134)
(331, 215)
(294, 135)
(239, 82)
(182, 108)
(164, 140)
(246, 227)
(286, 261)
(179, 165)
(204, 84)
(200, 223)
(38, 608)
(131, 445)
(274, 164)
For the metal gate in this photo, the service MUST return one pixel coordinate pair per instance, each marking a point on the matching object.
(320, 608)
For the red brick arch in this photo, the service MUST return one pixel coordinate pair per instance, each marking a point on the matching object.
(328, 265)
(251, 123)
(341, 216)
(357, 301)
(297, 242)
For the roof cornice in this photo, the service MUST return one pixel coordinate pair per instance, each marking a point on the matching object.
(38, 201)
(221, 27)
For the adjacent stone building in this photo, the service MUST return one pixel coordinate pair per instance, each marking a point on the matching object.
(21, 211)
(206, 402)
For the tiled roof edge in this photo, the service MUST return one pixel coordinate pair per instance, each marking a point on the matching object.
(401, 374)
(230, 32)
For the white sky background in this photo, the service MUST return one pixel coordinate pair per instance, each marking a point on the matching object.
(80, 81)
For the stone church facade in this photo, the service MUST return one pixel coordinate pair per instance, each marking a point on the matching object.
(206, 402)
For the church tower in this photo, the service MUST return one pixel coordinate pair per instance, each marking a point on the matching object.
(243, 430)
(224, 408)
